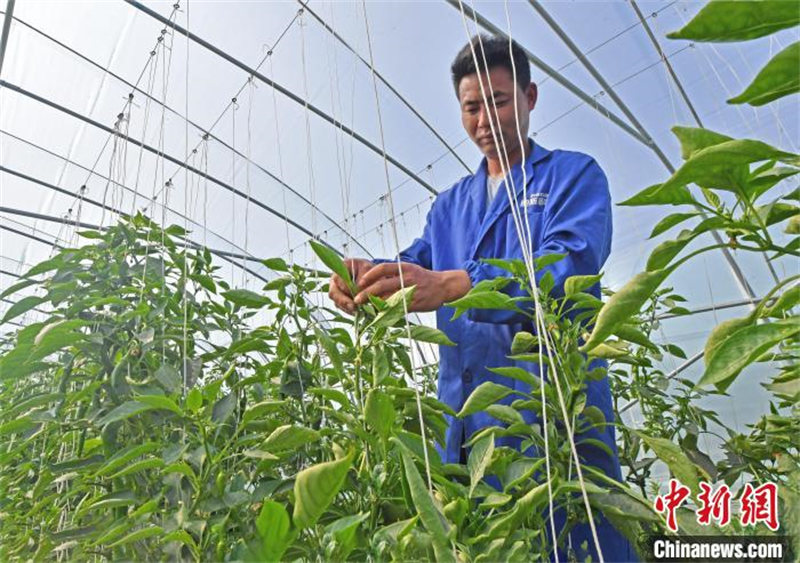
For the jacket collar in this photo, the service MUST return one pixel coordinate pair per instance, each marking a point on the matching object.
(501, 203)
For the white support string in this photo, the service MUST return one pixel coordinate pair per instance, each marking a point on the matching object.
(247, 179)
(280, 158)
(393, 225)
(524, 243)
(234, 109)
(543, 397)
(186, 198)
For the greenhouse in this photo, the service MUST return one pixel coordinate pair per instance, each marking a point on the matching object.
(450, 280)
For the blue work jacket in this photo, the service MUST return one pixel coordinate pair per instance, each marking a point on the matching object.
(569, 210)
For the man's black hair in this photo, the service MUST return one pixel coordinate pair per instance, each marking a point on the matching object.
(495, 49)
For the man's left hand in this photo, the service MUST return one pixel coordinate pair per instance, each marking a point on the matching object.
(433, 289)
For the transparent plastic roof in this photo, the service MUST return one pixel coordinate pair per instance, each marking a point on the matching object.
(268, 171)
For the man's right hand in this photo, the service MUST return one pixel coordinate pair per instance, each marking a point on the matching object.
(338, 290)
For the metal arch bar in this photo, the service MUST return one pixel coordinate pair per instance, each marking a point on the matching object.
(12, 303)
(9, 14)
(130, 190)
(224, 255)
(30, 236)
(558, 77)
(192, 123)
(744, 285)
(386, 83)
(82, 225)
(8, 273)
(685, 365)
(734, 266)
(170, 158)
(710, 308)
(684, 95)
(292, 96)
(602, 81)
(664, 58)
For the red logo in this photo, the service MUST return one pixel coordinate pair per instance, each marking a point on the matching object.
(760, 504)
(716, 505)
(671, 501)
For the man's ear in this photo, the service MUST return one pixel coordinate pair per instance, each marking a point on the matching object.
(532, 94)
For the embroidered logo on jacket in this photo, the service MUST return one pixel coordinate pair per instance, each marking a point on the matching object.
(535, 200)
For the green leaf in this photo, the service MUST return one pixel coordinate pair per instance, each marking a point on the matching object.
(344, 532)
(523, 342)
(260, 454)
(21, 307)
(720, 166)
(624, 304)
(330, 348)
(334, 262)
(722, 332)
(223, 408)
(761, 181)
(262, 408)
(670, 221)
(679, 465)
(793, 227)
(742, 348)
(777, 79)
(658, 195)
(16, 287)
(160, 402)
(315, 487)
(485, 394)
(577, 284)
(663, 254)
(138, 535)
(289, 437)
(546, 260)
(379, 412)
(206, 281)
(483, 300)
(517, 373)
(124, 411)
(507, 414)
(424, 333)
(380, 366)
(695, 139)
(675, 350)
(395, 308)
(739, 21)
(479, 459)
(330, 394)
(194, 400)
(632, 334)
(169, 378)
(16, 426)
(432, 519)
(141, 465)
(508, 522)
(124, 456)
(276, 264)
(787, 300)
(246, 298)
(273, 526)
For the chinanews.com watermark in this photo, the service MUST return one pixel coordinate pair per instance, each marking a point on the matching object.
(756, 506)
(718, 548)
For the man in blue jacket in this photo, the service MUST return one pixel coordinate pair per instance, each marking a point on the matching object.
(568, 206)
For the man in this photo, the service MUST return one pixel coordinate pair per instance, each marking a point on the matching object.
(567, 203)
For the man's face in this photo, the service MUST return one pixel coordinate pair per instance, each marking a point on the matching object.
(500, 88)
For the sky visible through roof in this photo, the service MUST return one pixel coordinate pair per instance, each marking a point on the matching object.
(278, 154)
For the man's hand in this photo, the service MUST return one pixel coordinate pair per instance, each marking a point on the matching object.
(338, 290)
(433, 289)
